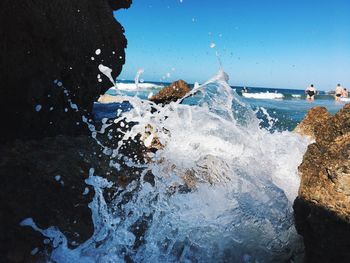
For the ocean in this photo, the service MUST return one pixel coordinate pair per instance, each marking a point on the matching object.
(224, 177)
(285, 112)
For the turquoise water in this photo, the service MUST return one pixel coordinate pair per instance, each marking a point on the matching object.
(286, 113)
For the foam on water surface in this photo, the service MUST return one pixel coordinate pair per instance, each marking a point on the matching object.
(345, 99)
(223, 187)
(133, 86)
(263, 95)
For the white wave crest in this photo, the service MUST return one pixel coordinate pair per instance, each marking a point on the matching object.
(263, 95)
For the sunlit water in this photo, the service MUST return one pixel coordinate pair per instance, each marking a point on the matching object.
(285, 113)
(224, 183)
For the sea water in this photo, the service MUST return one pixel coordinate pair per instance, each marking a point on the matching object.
(285, 112)
(224, 182)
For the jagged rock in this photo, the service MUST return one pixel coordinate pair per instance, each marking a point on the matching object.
(320, 125)
(316, 117)
(173, 92)
(48, 63)
(322, 208)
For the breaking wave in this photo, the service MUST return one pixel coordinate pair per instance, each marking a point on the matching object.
(218, 189)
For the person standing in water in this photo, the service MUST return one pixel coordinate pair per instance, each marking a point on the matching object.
(310, 92)
(345, 93)
(338, 92)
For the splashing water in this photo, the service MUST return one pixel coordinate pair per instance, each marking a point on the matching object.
(137, 77)
(107, 72)
(222, 190)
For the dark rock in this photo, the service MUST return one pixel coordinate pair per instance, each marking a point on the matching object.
(173, 92)
(43, 41)
(326, 235)
(48, 83)
(322, 209)
(45, 180)
(118, 4)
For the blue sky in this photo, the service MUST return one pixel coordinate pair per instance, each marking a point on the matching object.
(278, 44)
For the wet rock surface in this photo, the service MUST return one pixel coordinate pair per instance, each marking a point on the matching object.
(45, 180)
(322, 208)
(49, 66)
(173, 92)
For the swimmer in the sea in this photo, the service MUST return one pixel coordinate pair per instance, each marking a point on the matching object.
(338, 92)
(310, 92)
(345, 93)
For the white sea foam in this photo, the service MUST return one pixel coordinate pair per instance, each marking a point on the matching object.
(263, 95)
(237, 209)
(150, 95)
(296, 95)
(139, 86)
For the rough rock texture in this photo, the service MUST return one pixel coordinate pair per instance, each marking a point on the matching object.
(173, 92)
(48, 81)
(316, 117)
(45, 180)
(322, 208)
(47, 48)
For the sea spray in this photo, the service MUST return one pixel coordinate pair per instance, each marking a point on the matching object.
(221, 188)
(137, 77)
(107, 72)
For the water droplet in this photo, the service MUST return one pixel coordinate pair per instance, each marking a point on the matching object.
(38, 108)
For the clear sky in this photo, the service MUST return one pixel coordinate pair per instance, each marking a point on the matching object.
(264, 43)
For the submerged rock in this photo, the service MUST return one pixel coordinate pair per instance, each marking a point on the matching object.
(49, 62)
(322, 208)
(173, 92)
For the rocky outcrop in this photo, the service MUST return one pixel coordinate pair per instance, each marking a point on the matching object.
(45, 180)
(50, 52)
(173, 92)
(313, 121)
(322, 208)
